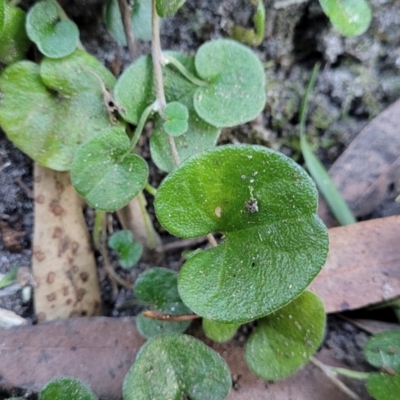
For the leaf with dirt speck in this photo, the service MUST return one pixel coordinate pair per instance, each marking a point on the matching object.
(269, 254)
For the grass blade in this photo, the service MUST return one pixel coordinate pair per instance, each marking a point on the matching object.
(331, 194)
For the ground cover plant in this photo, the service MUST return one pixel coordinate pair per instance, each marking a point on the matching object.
(261, 202)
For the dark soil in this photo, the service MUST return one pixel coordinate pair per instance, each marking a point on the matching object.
(359, 78)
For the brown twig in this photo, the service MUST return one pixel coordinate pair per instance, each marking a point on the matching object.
(179, 244)
(167, 317)
(128, 28)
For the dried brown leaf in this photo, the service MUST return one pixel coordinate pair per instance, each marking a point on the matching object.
(63, 263)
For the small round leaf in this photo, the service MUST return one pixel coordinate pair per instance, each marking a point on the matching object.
(265, 206)
(383, 350)
(14, 41)
(383, 386)
(176, 366)
(66, 388)
(129, 251)
(286, 339)
(149, 327)
(167, 8)
(176, 115)
(158, 286)
(105, 174)
(219, 332)
(236, 86)
(349, 17)
(135, 91)
(55, 38)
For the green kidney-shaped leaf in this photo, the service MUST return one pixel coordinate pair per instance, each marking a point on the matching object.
(66, 388)
(49, 110)
(349, 17)
(167, 8)
(219, 332)
(383, 386)
(105, 174)
(149, 327)
(286, 339)
(55, 38)
(175, 366)
(140, 16)
(135, 91)
(158, 286)
(383, 350)
(14, 42)
(265, 206)
(129, 251)
(176, 115)
(235, 93)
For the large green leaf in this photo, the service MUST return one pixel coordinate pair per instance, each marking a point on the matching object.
(135, 91)
(286, 339)
(49, 110)
(235, 93)
(105, 173)
(53, 36)
(383, 386)
(173, 366)
(14, 42)
(167, 8)
(383, 350)
(265, 206)
(140, 16)
(66, 388)
(349, 17)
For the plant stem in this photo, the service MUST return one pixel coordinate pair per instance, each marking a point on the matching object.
(212, 240)
(150, 189)
(174, 150)
(158, 62)
(98, 227)
(184, 71)
(178, 244)
(351, 374)
(140, 126)
(61, 12)
(125, 11)
(331, 374)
